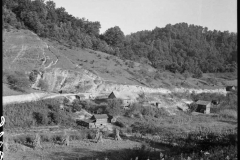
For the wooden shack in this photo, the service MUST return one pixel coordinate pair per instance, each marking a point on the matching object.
(126, 100)
(203, 106)
(96, 121)
(101, 99)
(230, 88)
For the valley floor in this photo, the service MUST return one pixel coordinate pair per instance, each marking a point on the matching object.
(77, 150)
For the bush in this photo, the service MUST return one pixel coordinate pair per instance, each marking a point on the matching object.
(76, 105)
(44, 112)
(148, 111)
(160, 112)
(192, 107)
(134, 109)
(91, 134)
(42, 84)
(119, 124)
(57, 138)
(18, 81)
(39, 118)
(114, 107)
(46, 138)
(157, 76)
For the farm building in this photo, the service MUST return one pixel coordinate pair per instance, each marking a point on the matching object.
(126, 100)
(96, 121)
(101, 99)
(203, 106)
(230, 88)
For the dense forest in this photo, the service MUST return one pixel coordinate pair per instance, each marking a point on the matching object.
(177, 48)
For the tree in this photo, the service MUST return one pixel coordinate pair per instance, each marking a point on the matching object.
(114, 107)
(114, 37)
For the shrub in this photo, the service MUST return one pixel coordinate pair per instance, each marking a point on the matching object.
(134, 109)
(192, 107)
(160, 112)
(57, 138)
(186, 75)
(148, 111)
(46, 138)
(76, 105)
(33, 75)
(197, 73)
(40, 118)
(42, 112)
(119, 124)
(42, 84)
(114, 107)
(18, 81)
(157, 76)
(91, 134)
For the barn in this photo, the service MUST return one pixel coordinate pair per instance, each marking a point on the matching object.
(203, 106)
(126, 100)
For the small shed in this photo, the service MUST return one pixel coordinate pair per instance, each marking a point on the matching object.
(203, 106)
(96, 121)
(230, 88)
(100, 119)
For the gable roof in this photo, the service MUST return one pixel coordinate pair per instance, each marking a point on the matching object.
(100, 116)
(118, 95)
(201, 102)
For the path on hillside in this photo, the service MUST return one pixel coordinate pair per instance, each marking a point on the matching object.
(123, 88)
(31, 97)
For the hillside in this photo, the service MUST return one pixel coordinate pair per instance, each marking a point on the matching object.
(170, 98)
(80, 70)
(179, 48)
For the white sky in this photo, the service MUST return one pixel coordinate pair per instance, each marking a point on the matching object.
(136, 15)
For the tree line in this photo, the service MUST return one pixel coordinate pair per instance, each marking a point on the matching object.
(177, 48)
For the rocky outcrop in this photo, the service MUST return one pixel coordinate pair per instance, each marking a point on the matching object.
(69, 81)
(82, 81)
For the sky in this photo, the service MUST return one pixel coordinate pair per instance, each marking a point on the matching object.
(137, 15)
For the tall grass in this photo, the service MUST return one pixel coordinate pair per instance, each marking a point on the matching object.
(39, 113)
(228, 113)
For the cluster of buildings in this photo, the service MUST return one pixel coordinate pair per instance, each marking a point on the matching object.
(205, 106)
(102, 120)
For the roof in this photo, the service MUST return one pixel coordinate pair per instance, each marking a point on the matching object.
(120, 96)
(87, 120)
(102, 97)
(80, 95)
(100, 116)
(201, 102)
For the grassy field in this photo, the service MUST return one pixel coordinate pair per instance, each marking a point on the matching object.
(154, 128)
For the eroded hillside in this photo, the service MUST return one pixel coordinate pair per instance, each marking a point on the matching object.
(58, 68)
